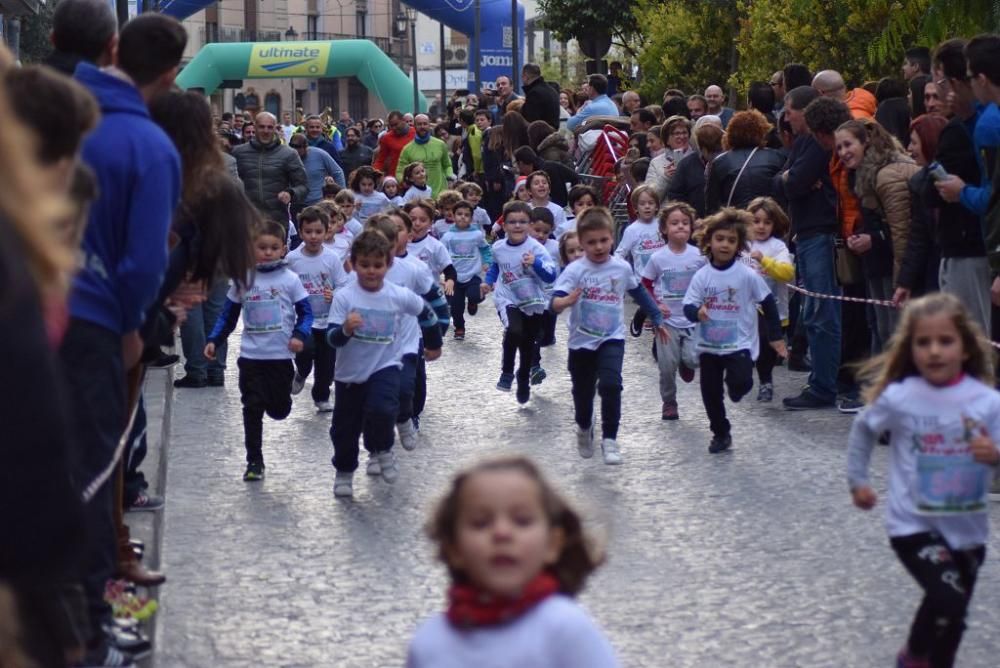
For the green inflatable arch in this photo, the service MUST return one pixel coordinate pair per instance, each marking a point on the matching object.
(360, 58)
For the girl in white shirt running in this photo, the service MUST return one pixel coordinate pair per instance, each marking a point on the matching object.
(642, 237)
(517, 556)
(932, 390)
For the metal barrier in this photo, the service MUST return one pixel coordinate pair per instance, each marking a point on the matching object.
(597, 169)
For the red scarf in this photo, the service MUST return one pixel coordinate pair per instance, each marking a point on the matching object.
(470, 607)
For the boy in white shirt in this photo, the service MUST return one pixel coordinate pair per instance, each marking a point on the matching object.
(542, 225)
(471, 255)
(642, 237)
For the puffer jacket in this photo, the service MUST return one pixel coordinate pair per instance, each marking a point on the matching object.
(882, 182)
(556, 148)
(756, 180)
(266, 171)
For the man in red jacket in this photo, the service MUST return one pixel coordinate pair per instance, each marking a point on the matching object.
(391, 144)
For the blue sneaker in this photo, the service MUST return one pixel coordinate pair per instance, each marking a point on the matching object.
(506, 382)
(537, 375)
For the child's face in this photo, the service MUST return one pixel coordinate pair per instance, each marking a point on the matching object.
(937, 349)
(371, 270)
(677, 228)
(516, 226)
(403, 235)
(367, 186)
(723, 245)
(336, 226)
(347, 208)
(762, 227)
(541, 230)
(503, 538)
(312, 233)
(419, 176)
(582, 204)
(462, 218)
(447, 212)
(522, 194)
(653, 143)
(390, 189)
(473, 198)
(597, 245)
(268, 248)
(421, 222)
(574, 251)
(646, 206)
(539, 188)
(482, 122)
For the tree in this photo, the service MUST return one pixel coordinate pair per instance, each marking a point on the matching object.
(928, 22)
(576, 19)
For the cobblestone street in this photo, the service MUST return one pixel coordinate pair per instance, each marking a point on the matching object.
(754, 557)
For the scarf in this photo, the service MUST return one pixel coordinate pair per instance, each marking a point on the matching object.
(470, 607)
(422, 140)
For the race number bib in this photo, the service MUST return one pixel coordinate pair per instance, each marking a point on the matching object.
(720, 334)
(463, 250)
(673, 284)
(262, 316)
(376, 326)
(599, 320)
(320, 307)
(949, 485)
(526, 292)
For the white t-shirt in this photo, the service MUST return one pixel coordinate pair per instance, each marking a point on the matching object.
(556, 633)
(410, 273)
(558, 213)
(268, 313)
(774, 248)
(341, 244)
(639, 241)
(481, 218)
(552, 248)
(671, 274)
(569, 225)
(369, 205)
(599, 315)
(441, 227)
(287, 131)
(431, 252)
(397, 200)
(413, 192)
(354, 227)
(517, 285)
(731, 296)
(318, 272)
(934, 484)
(465, 248)
(376, 344)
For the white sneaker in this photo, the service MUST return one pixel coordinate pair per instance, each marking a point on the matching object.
(387, 461)
(343, 485)
(407, 435)
(585, 441)
(324, 407)
(298, 383)
(612, 455)
(374, 468)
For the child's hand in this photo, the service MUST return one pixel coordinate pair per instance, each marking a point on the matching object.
(431, 355)
(528, 259)
(573, 297)
(352, 323)
(757, 255)
(295, 345)
(486, 268)
(665, 310)
(662, 333)
(780, 348)
(449, 288)
(864, 497)
(703, 313)
(984, 450)
(209, 352)
(328, 294)
(485, 289)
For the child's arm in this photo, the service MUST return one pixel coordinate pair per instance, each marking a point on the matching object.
(544, 270)
(648, 284)
(303, 325)
(624, 249)
(338, 334)
(777, 269)
(439, 304)
(224, 326)
(485, 251)
(491, 277)
(432, 332)
(562, 300)
(860, 444)
(648, 304)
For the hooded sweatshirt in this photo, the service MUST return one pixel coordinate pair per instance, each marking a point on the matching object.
(139, 177)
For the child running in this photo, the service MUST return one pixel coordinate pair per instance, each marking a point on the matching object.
(517, 556)
(595, 287)
(667, 276)
(520, 270)
(722, 297)
(542, 224)
(445, 203)
(772, 259)
(367, 199)
(642, 237)
(321, 272)
(345, 201)
(390, 188)
(365, 323)
(473, 194)
(539, 188)
(276, 323)
(570, 249)
(415, 182)
(581, 197)
(471, 255)
(932, 390)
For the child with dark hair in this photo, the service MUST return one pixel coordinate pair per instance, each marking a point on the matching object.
(471, 255)
(277, 320)
(581, 197)
(473, 194)
(367, 199)
(542, 226)
(445, 203)
(348, 206)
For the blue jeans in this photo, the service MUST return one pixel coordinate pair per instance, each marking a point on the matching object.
(814, 262)
(598, 371)
(367, 409)
(468, 291)
(200, 321)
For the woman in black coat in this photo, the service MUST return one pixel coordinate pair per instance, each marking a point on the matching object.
(746, 170)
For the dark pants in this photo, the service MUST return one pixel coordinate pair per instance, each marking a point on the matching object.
(195, 330)
(407, 386)
(370, 409)
(265, 387)
(546, 336)
(468, 291)
(520, 337)
(420, 382)
(319, 350)
(947, 577)
(599, 370)
(135, 481)
(768, 356)
(91, 358)
(735, 372)
(855, 340)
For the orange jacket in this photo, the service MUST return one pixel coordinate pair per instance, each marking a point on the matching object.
(861, 103)
(848, 205)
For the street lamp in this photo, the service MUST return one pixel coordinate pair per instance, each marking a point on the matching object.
(290, 36)
(411, 14)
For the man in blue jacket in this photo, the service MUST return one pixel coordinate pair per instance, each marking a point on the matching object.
(124, 256)
(598, 105)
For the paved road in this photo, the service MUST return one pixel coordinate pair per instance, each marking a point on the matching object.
(754, 557)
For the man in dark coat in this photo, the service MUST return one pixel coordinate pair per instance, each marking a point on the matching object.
(541, 100)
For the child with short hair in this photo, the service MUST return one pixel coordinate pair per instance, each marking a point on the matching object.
(367, 199)
(390, 188)
(321, 271)
(932, 391)
(470, 253)
(415, 183)
(523, 614)
(364, 324)
(445, 203)
(667, 276)
(473, 194)
(770, 257)
(539, 186)
(722, 298)
(542, 224)
(276, 322)
(595, 286)
(345, 201)
(581, 197)
(330, 191)
(642, 237)
(338, 239)
(520, 270)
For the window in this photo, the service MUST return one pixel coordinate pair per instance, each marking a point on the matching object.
(357, 99)
(361, 22)
(312, 26)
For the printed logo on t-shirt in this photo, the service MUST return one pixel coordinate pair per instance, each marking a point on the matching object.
(674, 283)
(645, 249)
(262, 311)
(377, 326)
(949, 481)
(721, 331)
(463, 249)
